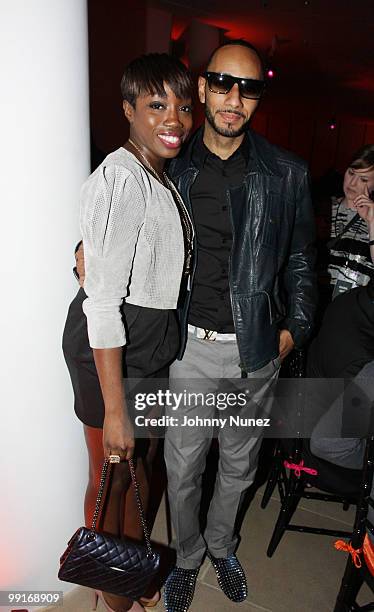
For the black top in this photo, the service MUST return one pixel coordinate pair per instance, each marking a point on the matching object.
(210, 300)
(152, 342)
(345, 342)
(275, 186)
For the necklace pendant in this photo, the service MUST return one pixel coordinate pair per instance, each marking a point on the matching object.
(187, 263)
(146, 163)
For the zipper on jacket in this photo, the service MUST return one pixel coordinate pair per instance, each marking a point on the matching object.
(228, 199)
(188, 192)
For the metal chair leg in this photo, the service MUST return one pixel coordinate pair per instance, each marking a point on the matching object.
(350, 586)
(291, 501)
(274, 475)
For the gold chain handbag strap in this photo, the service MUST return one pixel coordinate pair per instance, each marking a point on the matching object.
(105, 473)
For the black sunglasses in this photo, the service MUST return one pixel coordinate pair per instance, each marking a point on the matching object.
(222, 83)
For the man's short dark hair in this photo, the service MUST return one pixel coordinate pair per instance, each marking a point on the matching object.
(239, 42)
(148, 73)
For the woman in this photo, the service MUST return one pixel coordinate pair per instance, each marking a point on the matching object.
(137, 239)
(351, 260)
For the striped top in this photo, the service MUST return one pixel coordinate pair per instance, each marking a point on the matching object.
(350, 256)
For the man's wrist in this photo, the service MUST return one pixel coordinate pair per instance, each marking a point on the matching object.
(285, 329)
(289, 336)
(300, 331)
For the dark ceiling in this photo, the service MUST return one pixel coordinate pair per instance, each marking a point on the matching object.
(324, 49)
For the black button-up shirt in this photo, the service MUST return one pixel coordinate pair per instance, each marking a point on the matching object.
(210, 306)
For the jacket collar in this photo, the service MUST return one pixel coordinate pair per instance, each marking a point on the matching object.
(261, 157)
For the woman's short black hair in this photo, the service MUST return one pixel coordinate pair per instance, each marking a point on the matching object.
(363, 159)
(148, 73)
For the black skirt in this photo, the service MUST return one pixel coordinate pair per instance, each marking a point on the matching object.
(152, 337)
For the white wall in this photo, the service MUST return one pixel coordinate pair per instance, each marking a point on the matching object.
(44, 157)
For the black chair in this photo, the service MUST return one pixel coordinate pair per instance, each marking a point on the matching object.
(354, 577)
(277, 476)
(334, 484)
(294, 366)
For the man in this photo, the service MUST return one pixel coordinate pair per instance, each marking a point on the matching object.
(253, 276)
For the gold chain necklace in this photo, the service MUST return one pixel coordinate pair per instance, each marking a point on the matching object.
(185, 218)
(186, 223)
(146, 162)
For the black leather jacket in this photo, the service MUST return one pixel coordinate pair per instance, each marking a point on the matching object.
(272, 279)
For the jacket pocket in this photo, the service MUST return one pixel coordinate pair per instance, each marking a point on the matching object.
(258, 334)
(276, 312)
(262, 302)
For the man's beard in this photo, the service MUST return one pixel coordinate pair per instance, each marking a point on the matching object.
(228, 132)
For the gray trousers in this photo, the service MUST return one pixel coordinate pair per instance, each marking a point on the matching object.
(186, 449)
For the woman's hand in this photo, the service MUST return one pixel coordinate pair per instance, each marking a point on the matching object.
(79, 260)
(365, 207)
(118, 436)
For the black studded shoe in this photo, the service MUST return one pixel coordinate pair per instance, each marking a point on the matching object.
(231, 577)
(179, 589)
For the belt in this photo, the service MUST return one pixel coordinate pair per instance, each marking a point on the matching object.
(210, 335)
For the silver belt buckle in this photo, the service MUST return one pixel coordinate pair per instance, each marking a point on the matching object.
(206, 334)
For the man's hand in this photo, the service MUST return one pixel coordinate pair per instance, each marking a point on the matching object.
(79, 258)
(286, 343)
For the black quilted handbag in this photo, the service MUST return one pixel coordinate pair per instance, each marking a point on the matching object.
(108, 563)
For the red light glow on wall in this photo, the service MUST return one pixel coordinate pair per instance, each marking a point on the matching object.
(178, 28)
(12, 563)
(10, 572)
(255, 33)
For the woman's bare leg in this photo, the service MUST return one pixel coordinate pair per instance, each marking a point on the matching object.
(144, 463)
(115, 499)
(131, 522)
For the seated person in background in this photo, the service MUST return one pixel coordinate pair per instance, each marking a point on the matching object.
(351, 248)
(345, 342)
(348, 452)
(344, 348)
